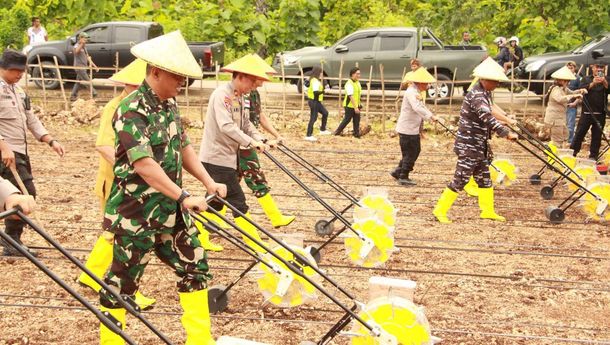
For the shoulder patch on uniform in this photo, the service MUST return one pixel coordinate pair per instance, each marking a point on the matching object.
(228, 103)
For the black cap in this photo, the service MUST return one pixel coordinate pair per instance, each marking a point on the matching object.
(12, 59)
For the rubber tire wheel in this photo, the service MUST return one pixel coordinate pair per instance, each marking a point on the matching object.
(446, 89)
(315, 253)
(554, 214)
(547, 192)
(49, 72)
(324, 228)
(535, 179)
(215, 304)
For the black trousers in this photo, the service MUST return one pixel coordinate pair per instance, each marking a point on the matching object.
(586, 121)
(350, 113)
(410, 147)
(316, 107)
(229, 177)
(14, 227)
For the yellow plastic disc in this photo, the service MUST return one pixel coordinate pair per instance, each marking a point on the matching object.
(382, 237)
(294, 290)
(507, 173)
(590, 204)
(567, 158)
(376, 206)
(553, 149)
(398, 318)
(585, 173)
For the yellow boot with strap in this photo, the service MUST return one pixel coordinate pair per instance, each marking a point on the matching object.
(443, 205)
(196, 318)
(107, 336)
(486, 204)
(245, 225)
(273, 213)
(204, 235)
(99, 260)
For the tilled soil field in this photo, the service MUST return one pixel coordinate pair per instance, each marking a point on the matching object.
(525, 281)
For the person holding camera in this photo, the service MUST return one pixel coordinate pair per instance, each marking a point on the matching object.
(594, 109)
(82, 61)
(16, 118)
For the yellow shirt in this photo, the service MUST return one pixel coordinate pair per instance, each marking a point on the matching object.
(106, 137)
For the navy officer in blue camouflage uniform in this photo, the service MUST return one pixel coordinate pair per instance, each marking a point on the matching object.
(471, 145)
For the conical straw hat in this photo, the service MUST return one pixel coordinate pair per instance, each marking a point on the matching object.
(171, 53)
(264, 64)
(489, 69)
(132, 74)
(420, 75)
(563, 73)
(248, 65)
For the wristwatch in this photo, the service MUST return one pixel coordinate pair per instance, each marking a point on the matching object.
(183, 196)
(52, 141)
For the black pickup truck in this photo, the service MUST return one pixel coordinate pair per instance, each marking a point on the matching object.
(596, 50)
(106, 39)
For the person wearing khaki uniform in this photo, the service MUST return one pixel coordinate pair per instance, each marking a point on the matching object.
(559, 98)
(16, 118)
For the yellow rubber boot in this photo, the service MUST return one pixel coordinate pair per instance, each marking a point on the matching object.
(99, 260)
(443, 205)
(245, 225)
(486, 204)
(144, 302)
(196, 318)
(273, 213)
(204, 235)
(471, 188)
(108, 337)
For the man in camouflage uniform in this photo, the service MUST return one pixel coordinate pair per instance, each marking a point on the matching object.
(471, 144)
(16, 118)
(146, 208)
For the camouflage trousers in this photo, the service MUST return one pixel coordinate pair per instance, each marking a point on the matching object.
(250, 170)
(466, 167)
(181, 250)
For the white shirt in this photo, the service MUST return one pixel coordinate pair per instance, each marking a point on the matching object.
(412, 112)
(349, 89)
(315, 85)
(37, 37)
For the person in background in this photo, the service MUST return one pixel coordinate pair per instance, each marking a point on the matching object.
(36, 33)
(559, 97)
(82, 61)
(351, 103)
(594, 110)
(515, 54)
(503, 55)
(16, 119)
(315, 95)
(572, 108)
(410, 122)
(465, 39)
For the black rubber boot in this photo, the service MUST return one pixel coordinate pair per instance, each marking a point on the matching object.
(14, 228)
(395, 173)
(404, 180)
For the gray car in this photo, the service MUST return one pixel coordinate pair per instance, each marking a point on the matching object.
(391, 47)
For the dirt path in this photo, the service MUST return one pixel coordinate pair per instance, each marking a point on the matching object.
(525, 281)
